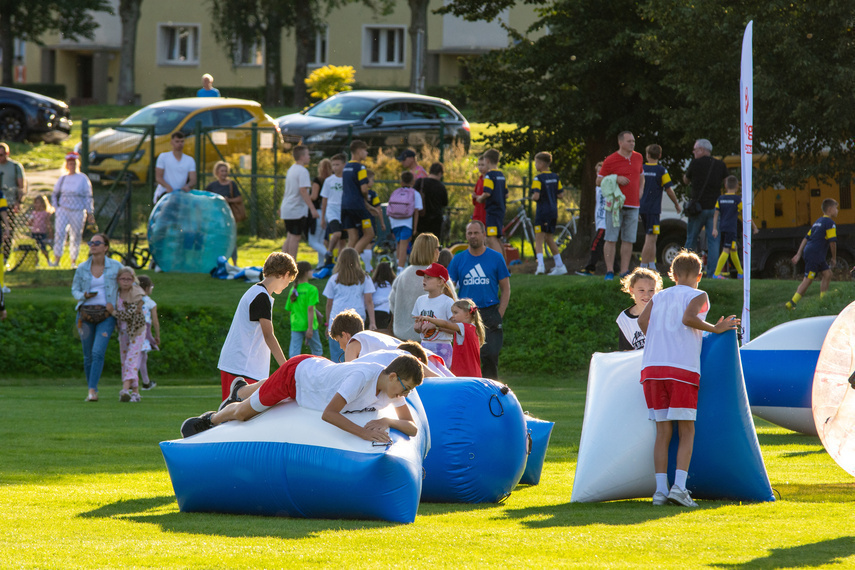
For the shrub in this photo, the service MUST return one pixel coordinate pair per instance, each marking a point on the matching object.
(326, 81)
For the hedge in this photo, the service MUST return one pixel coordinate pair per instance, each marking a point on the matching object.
(55, 90)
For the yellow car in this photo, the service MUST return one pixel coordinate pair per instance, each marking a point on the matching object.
(111, 149)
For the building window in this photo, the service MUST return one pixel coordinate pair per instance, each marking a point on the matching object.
(248, 54)
(318, 56)
(178, 44)
(383, 46)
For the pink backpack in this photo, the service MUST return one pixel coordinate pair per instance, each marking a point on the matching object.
(402, 203)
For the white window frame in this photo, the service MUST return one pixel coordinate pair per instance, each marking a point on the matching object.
(257, 52)
(194, 48)
(321, 39)
(367, 45)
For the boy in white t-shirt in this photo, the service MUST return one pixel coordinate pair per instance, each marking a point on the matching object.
(316, 383)
(404, 228)
(331, 194)
(251, 340)
(297, 206)
(673, 324)
(174, 170)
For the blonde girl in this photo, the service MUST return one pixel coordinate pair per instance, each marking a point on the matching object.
(641, 285)
(39, 222)
(436, 303)
(129, 314)
(468, 329)
(348, 288)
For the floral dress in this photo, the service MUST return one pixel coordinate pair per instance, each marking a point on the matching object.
(131, 338)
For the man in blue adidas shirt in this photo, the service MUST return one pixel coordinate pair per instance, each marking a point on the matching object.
(481, 275)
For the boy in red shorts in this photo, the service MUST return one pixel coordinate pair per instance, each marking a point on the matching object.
(318, 384)
(671, 369)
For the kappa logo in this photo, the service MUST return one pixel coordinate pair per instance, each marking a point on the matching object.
(476, 276)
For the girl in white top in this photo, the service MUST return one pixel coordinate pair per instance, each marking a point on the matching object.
(348, 288)
(641, 285)
(152, 330)
(437, 303)
(74, 204)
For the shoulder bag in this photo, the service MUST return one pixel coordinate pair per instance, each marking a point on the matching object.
(238, 208)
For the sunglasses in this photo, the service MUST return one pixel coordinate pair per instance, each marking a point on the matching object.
(406, 391)
(95, 242)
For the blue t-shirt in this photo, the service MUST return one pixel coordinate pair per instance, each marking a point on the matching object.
(656, 179)
(212, 92)
(354, 176)
(495, 188)
(822, 232)
(478, 277)
(549, 187)
(729, 208)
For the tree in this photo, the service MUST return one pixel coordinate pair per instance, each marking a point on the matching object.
(418, 43)
(31, 19)
(129, 14)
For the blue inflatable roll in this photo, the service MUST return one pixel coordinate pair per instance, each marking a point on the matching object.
(539, 431)
(478, 435)
(289, 462)
(188, 231)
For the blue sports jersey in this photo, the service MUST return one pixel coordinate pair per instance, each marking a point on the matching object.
(495, 188)
(354, 176)
(656, 179)
(478, 277)
(549, 187)
(729, 207)
(822, 232)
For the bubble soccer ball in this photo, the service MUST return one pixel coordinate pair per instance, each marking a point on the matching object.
(188, 231)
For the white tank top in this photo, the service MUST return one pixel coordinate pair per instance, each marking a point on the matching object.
(371, 341)
(668, 341)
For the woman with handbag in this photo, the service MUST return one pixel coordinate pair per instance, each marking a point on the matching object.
(74, 204)
(95, 288)
(228, 189)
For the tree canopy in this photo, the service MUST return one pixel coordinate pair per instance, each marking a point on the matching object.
(668, 70)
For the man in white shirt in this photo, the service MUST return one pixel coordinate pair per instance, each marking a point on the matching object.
(174, 170)
(296, 202)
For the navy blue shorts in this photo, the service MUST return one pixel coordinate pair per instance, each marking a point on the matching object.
(544, 225)
(728, 240)
(358, 219)
(494, 225)
(814, 267)
(651, 223)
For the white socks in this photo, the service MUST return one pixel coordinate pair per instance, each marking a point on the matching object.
(558, 261)
(680, 477)
(539, 258)
(662, 483)
(366, 259)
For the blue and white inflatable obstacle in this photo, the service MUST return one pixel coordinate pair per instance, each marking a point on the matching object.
(289, 462)
(779, 367)
(478, 435)
(539, 432)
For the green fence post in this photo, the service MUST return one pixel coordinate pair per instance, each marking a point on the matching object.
(152, 158)
(253, 219)
(197, 151)
(349, 140)
(442, 141)
(84, 146)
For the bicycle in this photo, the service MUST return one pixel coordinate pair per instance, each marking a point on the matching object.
(564, 233)
(520, 220)
(136, 257)
(445, 239)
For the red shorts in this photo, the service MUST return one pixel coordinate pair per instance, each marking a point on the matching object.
(671, 400)
(226, 379)
(282, 384)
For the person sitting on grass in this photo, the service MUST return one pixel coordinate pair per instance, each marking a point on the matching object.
(671, 369)
(319, 384)
(821, 237)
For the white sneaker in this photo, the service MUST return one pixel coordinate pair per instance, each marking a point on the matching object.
(559, 270)
(681, 497)
(540, 269)
(660, 499)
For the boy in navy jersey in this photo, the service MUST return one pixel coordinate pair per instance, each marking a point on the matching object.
(656, 181)
(493, 198)
(821, 236)
(728, 211)
(354, 214)
(545, 190)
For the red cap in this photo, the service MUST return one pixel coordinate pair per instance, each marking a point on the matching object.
(434, 270)
(72, 156)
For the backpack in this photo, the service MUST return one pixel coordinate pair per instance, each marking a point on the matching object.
(402, 203)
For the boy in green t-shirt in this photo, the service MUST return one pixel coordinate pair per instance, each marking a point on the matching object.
(301, 302)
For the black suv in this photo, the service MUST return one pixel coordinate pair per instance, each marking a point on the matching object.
(389, 120)
(25, 115)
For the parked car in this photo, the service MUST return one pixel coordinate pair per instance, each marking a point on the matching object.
(29, 116)
(111, 149)
(383, 119)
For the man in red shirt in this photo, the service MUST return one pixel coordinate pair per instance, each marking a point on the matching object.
(628, 165)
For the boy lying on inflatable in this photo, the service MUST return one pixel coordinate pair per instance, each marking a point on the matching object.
(316, 383)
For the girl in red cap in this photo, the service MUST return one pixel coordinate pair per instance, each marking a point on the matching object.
(468, 330)
(437, 303)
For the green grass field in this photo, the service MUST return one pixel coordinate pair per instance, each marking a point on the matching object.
(85, 486)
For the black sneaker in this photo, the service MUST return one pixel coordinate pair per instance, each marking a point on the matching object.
(192, 426)
(150, 385)
(237, 384)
